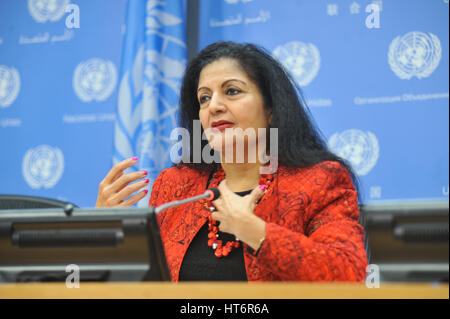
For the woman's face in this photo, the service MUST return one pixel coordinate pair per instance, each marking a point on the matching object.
(229, 100)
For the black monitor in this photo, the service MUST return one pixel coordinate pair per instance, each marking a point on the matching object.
(408, 240)
(28, 202)
(120, 244)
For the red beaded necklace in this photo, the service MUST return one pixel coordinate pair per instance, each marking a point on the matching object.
(213, 237)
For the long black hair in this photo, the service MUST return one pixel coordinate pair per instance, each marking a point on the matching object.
(300, 142)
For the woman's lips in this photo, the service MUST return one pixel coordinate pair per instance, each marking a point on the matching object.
(221, 125)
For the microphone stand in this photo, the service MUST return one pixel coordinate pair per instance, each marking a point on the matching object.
(211, 193)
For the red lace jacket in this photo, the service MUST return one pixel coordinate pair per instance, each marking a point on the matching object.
(311, 215)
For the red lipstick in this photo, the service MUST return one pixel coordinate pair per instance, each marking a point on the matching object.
(221, 125)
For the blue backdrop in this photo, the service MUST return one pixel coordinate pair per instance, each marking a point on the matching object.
(376, 81)
(375, 75)
(56, 132)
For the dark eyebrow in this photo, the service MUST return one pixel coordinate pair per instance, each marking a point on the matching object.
(223, 84)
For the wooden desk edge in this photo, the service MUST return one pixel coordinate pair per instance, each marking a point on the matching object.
(231, 290)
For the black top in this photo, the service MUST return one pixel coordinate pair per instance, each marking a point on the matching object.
(200, 263)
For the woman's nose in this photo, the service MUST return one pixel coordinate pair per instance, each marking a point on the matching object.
(216, 104)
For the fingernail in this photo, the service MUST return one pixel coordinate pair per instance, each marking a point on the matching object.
(146, 192)
(146, 181)
(134, 158)
(262, 187)
(144, 173)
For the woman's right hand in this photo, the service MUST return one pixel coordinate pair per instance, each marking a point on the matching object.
(114, 188)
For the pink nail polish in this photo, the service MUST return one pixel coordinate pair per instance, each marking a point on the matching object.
(134, 158)
(262, 187)
(146, 181)
(146, 192)
(144, 173)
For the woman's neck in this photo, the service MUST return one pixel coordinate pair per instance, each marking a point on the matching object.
(242, 176)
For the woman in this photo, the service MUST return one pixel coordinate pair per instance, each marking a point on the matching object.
(298, 223)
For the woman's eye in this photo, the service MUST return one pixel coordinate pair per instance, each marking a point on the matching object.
(203, 99)
(233, 91)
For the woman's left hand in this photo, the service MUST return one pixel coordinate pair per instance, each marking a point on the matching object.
(235, 214)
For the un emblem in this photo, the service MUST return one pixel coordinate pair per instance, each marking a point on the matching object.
(94, 79)
(359, 148)
(301, 59)
(9, 85)
(47, 10)
(414, 54)
(43, 166)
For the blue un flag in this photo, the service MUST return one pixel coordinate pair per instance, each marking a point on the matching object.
(153, 63)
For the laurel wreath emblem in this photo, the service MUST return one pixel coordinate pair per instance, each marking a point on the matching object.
(36, 160)
(432, 64)
(9, 85)
(367, 141)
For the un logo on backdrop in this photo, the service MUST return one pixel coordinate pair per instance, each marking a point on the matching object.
(9, 85)
(94, 79)
(43, 166)
(414, 54)
(301, 59)
(47, 10)
(359, 148)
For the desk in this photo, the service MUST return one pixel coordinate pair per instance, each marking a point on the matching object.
(232, 290)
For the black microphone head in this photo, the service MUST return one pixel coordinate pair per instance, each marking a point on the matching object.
(214, 193)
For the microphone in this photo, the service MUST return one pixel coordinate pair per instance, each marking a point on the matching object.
(210, 194)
